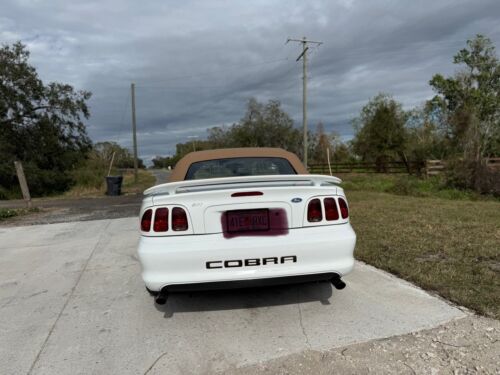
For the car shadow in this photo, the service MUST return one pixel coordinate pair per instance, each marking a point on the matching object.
(247, 298)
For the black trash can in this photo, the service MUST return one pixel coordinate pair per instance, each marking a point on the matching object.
(114, 185)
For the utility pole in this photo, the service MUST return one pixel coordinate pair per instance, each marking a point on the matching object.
(303, 55)
(134, 127)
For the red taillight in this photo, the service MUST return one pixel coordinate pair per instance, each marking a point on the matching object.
(146, 220)
(161, 220)
(331, 212)
(179, 219)
(314, 213)
(344, 211)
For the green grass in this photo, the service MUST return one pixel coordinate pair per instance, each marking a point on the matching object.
(447, 246)
(145, 180)
(97, 189)
(403, 184)
(7, 213)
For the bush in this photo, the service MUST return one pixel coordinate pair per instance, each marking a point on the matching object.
(473, 175)
(43, 182)
(90, 174)
(6, 213)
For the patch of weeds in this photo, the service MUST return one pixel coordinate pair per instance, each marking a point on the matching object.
(7, 213)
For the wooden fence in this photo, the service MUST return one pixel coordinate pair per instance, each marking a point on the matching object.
(362, 167)
(493, 163)
(431, 167)
(436, 167)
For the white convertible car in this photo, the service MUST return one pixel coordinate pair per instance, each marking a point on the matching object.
(243, 217)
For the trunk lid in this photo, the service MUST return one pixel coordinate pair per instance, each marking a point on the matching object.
(208, 202)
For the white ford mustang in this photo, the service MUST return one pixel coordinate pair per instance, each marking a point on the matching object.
(243, 217)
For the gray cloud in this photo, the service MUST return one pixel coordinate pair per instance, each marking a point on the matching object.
(196, 63)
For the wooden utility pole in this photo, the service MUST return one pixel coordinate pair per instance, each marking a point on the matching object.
(303, 55)
(134, 127)
(22, 181)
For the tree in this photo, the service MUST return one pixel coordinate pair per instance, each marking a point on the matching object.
(263, 125)
(323, 145)
(163, 162)
(41, 125)
(380, 132)
(123, 157)
(471, 100)
(470, 103)
(424, 139)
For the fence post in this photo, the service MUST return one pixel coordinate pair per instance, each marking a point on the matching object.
(22, 181)
(434, 167)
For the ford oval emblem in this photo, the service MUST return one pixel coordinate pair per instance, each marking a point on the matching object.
(297, 200)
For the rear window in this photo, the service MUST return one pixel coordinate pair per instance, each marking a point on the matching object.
(232, 167)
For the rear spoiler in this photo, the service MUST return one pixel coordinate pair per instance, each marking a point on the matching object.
(223, 183)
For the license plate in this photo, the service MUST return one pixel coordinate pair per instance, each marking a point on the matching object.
(247, 220)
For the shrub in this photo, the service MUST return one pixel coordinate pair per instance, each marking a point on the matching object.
(473, 175)
(43, 182)
(90, 174)
(6, 213)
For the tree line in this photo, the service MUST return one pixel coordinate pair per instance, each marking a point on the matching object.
(42, 125)
(460, 124)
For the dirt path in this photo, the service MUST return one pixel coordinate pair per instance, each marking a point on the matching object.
(469, 345)
(75, 209)
(61, 210)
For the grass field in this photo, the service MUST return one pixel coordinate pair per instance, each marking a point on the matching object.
(403, 184)
(448, 246)
(145, 180)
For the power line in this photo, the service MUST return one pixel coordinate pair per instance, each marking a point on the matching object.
(231, 66)
(358, 51)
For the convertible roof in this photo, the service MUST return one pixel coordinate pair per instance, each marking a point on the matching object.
(180, 171)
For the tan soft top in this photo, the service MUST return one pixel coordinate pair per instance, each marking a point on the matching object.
(180, 171)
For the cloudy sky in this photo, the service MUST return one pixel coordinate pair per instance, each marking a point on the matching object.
(196, 63)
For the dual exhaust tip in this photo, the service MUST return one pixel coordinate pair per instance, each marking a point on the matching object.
(162, 296)
(337, 282)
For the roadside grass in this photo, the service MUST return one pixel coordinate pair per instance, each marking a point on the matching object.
(403, 184)
(7, 213)
(98, 189)
(145, 180)
(450, 247)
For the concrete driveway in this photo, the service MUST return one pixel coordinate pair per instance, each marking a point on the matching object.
(72, 302)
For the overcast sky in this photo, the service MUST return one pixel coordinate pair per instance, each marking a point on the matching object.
(196, 63)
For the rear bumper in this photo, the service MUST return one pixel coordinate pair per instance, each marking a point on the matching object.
(180, 262)
(251, 283)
